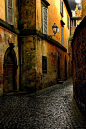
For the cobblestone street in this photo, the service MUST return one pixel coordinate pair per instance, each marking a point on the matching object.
(51, 108)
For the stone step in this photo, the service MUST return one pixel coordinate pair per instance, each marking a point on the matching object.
(60, 82)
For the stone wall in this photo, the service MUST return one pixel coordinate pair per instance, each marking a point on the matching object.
(28, 63)
(32, 52)
(4, 45)
(51, 52)
(79, 65)
(28, 13)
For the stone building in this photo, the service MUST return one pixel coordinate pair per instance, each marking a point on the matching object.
(79, 64)
(30, 58)
(9, 58)
(76, 19)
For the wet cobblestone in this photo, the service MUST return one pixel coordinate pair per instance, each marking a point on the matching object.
(51, 108)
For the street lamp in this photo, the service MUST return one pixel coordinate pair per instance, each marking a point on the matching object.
(54, 28)
(11, 44)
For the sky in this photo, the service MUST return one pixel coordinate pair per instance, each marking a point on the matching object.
(73, 4)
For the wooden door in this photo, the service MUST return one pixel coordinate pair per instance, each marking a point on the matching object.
(9, 74)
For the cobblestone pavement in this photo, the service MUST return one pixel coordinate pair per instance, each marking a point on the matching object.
(51, 108)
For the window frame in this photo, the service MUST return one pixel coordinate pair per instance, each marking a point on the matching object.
(61, 7)
(73, 23)
(62, 35)
(43, 6)
(67, 21)
(12, 8)
(44, 68)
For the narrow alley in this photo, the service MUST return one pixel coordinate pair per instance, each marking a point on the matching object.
(51, 108)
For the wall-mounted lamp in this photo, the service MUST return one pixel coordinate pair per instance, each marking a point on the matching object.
(54, 28)
(10, 42)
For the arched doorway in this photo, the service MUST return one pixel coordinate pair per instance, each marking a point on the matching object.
(65, 67)
(10, 70)
(58, 67)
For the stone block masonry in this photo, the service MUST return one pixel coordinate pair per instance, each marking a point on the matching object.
(4, 46)
(79, 64)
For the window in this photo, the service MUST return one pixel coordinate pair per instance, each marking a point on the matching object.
(67, 21)
(73, 23)
(44, 64)
(10, 11)
(61, 7)
(62, 36)
(44, 19)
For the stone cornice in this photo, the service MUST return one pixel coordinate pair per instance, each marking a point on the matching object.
(9, 27)
(28, 32)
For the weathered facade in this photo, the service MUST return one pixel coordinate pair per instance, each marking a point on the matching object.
(37, 60)
(76, 18)
(47, 57)
(9, 58)
(79, 64)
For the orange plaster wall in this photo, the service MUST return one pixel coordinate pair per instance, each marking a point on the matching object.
(83, 9)
(72, 30)
(2, 9)
(54, 16)
(38, 15)
(66, 30)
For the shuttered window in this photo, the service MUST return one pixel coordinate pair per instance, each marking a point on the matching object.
(44, 19)
(62, 36)
(67, 21)
(73, 23)
(10, 11)
(61, 7)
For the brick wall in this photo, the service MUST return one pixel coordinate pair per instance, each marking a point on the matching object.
(79, 65)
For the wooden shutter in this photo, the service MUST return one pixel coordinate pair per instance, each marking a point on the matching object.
(45, 20)
(61, 6)
(74, 23)
(68, 22)
(62, 35)
(10, 16)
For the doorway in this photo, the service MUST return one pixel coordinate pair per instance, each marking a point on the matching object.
(65, 67)
(10, 71)
(58, 67)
